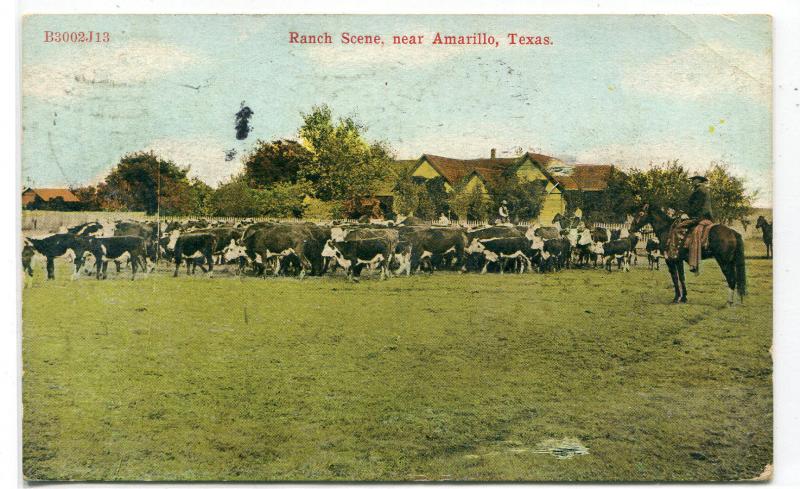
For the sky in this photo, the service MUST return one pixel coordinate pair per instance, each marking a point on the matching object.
(623, 90)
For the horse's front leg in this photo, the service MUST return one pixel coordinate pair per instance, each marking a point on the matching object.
(682, 280)
(673, 274)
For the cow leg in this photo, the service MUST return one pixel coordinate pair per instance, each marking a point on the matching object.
(177, 262)
(134, 265)
(51, 275)
(305, 266)
(105, 270)
(210, 260)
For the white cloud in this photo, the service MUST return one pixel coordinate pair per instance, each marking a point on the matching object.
(705, 71)
(205, 155)
(104, 65)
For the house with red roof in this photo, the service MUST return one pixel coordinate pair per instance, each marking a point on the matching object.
(557, 177)
(34, 198)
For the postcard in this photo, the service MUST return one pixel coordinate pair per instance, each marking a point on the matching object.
(396, 247)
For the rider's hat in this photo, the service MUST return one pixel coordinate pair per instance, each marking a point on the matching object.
(505, 202)
(698, 178)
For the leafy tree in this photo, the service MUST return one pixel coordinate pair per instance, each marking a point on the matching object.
(142, 181)
(420, 197)
(276, 161)
(236, 199)
(343, 166)
(469, 204)
(729, 199)
(407, 194)
(524, 197)
(285, 199)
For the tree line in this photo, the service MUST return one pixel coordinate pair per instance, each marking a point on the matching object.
(332, 171)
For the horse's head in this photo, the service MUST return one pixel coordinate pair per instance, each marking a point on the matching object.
(761, 222)
(641, 218)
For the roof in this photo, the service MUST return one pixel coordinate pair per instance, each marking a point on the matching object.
(569, 177)
(592, 177)
(567, 182)
(543, 160)
(454, 170)
(51, 193)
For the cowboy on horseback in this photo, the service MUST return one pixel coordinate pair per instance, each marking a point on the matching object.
(693, 231)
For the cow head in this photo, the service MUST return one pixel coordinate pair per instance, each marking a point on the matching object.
(338, 233)
(233, 251)
(331, 251)
(475, 247)
(537, 242)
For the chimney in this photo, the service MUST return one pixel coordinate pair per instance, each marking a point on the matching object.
(493, 153)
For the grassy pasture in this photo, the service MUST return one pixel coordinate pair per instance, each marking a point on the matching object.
(421, 378)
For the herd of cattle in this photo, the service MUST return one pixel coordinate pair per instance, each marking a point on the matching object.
(305, 248)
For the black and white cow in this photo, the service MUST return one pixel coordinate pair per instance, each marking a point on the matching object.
(58, 245)
(195, 245)
(28, 252)
(560, 250)
(145, 230)
(476, 261)
(503, 251)
(584, 249)
(423, 247)
(87, 229)
(654, 254)
(116, 249)
(618, 249)
(364, 247)
(282, 247)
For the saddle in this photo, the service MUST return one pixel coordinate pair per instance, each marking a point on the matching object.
(691, 235)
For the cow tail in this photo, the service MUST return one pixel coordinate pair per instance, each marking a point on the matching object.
(741, 278)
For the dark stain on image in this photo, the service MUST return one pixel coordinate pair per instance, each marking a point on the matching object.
(243, 121)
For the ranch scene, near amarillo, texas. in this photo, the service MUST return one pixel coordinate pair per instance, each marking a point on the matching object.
(482, 262)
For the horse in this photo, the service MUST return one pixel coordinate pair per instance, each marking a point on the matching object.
(724, 244)
(766, 233)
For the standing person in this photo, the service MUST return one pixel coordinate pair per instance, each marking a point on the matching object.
(503, 211)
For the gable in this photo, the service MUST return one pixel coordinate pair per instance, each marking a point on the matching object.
(475, 181)
(529, 172)
(425, 170)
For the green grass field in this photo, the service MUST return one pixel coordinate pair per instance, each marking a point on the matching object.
(449, 377)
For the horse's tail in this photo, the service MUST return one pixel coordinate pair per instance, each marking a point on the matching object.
(741, 279)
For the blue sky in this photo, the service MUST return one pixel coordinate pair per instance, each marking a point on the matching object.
(627, 90)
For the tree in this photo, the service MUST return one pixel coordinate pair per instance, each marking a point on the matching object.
(524, 197)
(343, 166)
(729, 199)
(285, 199)
(469, 204)
(236, 199)
(142, 181)
(278, 161)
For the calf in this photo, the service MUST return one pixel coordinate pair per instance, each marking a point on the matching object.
(425, 247)
(619, 249)
(195, 245)
(560, 250)
(118, 248)
(502, 251)
(59, 245)
(654, 255)
(373, 247)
